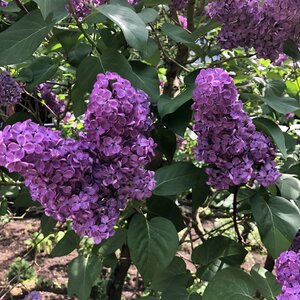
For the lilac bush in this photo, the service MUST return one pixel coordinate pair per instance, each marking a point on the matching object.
(10, 91)
(227, 139)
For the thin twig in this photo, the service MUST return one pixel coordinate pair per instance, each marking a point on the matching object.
(235, 212)
(22, 6)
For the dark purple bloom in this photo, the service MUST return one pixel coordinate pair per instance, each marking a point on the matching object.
(227, 138)
(10, 91)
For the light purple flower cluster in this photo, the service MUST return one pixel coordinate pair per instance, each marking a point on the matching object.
(57, 106)
(227, 138)
(265, 27)
(89, 180)
(3, 3)
(288, 275)
(10, 91)
(34, 295)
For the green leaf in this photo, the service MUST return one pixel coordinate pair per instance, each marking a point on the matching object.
(19, 41)
(222, 248)
(155, 2)
(47, 225)
(67, 38)
(176, 178)
(152, 244)
(272, 129)
(24, 199)
(266, 282)
(200, 192)
(85, 79)
(291, 49)
(42, 70)
(180, 119)
(278, 221)
(166, 142)
(82, 273)
(208, 272)
(148, 15)
(168, 106)
(274, 87)
(282, 105)
(177, 290)
(133, 27)
(66, 245)
(19, 116)
(56, 9)
(176, 269)
(177, 33)
(140, 75)
(230, 284)
(289, 186)
(113, 243)
(166, 208)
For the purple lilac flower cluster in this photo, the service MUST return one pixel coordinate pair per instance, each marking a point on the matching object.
(288, 271)
(83, 8)
(3, 3)
(50, 98)
(10, 91)
(88, 180)
(227, 138)
(34, 295)
(265, 27)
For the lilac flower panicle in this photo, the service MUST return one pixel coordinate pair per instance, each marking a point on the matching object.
(10, 91)
(34, 295)
(227, 138)
(57, 106)
(250, 24)
(88, 180)
(288, 274)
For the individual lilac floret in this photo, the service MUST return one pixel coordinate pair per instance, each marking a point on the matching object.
(57, 106)
(10, 91)
(34, 295)
(227, 138)
(265, 27)
(183, 21)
